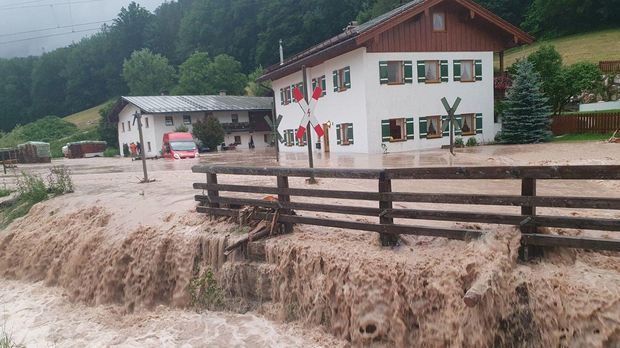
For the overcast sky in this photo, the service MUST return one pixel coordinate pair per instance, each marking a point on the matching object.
(42, 20)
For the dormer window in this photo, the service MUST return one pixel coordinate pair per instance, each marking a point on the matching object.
(439, 21)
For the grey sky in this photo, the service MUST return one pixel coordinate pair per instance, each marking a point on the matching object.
(49, 17)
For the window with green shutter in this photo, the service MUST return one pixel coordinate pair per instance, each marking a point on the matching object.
(410, 129)
(423, 127)
(344, 134)
(319, 82)
(469, 124)
(338, 135)
(478, 64)
(479, 123)
(281, 96)
(433, 127)
(342, 79)
(445, 125)
(445, 77)
(385, 130)
(457, 70)
(383, 73)
(295, 139)
(421, 71)
(459, 125)
(395, 72)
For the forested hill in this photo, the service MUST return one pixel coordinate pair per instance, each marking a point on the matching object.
(88, 73)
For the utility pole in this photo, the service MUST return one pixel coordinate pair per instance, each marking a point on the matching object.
(138, 116)
(275, 134)
(312, 179)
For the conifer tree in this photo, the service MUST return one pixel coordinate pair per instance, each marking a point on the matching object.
(526, 117)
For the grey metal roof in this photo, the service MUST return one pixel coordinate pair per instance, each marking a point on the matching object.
(197, 103)
(384, 17)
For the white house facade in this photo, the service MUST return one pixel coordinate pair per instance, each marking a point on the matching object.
(386, 95)
(241, 117)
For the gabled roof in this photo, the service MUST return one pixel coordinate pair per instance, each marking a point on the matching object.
(191, 103)
(355, 37)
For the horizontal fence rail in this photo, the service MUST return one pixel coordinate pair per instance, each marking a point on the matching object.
(599, 122)
(529, 222)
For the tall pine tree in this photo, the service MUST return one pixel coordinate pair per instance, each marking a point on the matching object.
(526, 119)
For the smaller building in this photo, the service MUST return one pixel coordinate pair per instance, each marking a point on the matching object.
(242, 119)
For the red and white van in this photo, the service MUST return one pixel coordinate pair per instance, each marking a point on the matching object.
(179, 146)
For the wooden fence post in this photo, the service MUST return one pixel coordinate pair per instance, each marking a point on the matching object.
(385, 186)
(528, 189)
(284, 198)
(212, 180)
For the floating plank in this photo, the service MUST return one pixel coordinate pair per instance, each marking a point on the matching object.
(460, 234)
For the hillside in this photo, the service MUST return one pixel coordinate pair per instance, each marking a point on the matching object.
(86, 119)
(591, 47)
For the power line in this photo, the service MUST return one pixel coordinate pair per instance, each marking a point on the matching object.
(45, 5)
(53, 28)
(49, 35)
(20, 3)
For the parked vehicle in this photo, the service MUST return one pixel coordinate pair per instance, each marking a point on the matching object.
(179, 146)
(84, 149)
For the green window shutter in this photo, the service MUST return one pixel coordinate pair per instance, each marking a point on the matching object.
(478, 123)
(324, 85)
(305, 139)
(421, 71)
(350, 133)
(291, 95)
(313, 84)
(478, 69)
(347, 77)
(385, 130)
(445, 77)
(423, 128)
(459, 124)
(383, 73)
(410, 130)
(335, 81)
(457, 70)
(408, 67)
(281, 96)
(445, 124)
(338, 140)
(294, 134)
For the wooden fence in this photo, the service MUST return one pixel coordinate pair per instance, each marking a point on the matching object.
(212, 202)
(603, 122)
(609, 67)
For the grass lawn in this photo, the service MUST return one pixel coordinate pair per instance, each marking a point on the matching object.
(591, 47)
(581, 137)
(85, 119)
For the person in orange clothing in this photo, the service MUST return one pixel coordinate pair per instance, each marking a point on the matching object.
(134, 149)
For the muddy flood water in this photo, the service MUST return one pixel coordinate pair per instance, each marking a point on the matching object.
(111, 264)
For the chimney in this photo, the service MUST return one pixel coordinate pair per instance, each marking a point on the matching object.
(222, 92)
(352, 25)
(281, 53)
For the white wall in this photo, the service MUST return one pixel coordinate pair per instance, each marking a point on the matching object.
(157, 128)
(368, 102)
(338, 107)
(420, 100)
(602, 106)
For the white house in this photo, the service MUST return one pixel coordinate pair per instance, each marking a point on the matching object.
(383, 80)
(241, 117)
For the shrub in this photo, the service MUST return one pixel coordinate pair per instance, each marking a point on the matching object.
(4, 192)
(472, 142)
(59, 180)
(459, 142)
(31, 188)
(181, 129)
(111, 152)
(6, 341)
(205, 292)
(210, 132)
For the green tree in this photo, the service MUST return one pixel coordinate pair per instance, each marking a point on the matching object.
(148, 74)
(526, 118)
(108, 131)
(572, 82)
(193, 75)
(209, 132)
(201, 75)
(255, 88)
